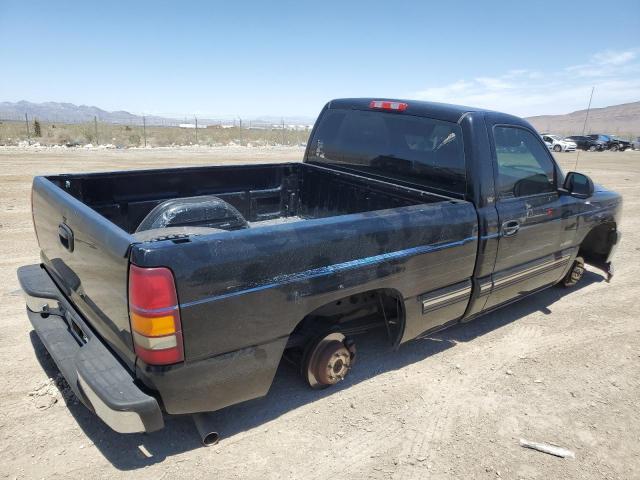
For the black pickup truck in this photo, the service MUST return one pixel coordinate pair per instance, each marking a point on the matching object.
(180, 290)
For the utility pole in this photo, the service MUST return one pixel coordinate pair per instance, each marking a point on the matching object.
(144, 129)
(196, 118)
(240, 130)
(95, 125)
(26, 121)
(282, 120)
(586, 117)
(584, 127)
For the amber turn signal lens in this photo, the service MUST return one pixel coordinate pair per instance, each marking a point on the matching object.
(153, 326)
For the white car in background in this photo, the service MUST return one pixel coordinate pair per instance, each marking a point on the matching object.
(558, 144)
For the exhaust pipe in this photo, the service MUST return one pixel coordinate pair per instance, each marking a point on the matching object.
(208, 435)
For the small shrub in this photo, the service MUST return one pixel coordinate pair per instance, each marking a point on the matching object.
(88, 132)
(63, 138)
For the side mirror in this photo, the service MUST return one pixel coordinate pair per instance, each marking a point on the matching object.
(578, 185)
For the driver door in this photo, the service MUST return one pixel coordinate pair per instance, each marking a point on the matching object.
(530, 214)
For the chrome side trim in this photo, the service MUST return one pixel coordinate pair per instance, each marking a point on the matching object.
(485, 286)
(550, 264)
(449, 296)
(442, 299)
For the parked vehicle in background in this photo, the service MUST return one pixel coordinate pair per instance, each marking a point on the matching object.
(180, 290)
(621, 144)
(611, 143)
(586, 143)
(636, 144)
(559, 144)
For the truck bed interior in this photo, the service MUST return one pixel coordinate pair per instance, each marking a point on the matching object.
(262, 194)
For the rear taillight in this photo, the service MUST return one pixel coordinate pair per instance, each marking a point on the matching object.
(386, 105)
(155, 315)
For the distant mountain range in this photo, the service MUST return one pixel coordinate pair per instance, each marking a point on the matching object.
(71, 113)
(616, 120)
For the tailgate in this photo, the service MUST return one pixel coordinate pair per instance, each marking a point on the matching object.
(88, 257)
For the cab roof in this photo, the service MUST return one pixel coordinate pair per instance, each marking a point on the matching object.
(439, 111)
(443, 111)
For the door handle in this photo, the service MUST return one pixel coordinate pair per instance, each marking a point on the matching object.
(510, 228)
(65, 235)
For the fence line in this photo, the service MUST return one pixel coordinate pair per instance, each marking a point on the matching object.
(151, 120)
(149, 131)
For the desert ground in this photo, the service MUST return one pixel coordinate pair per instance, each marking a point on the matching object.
(562, 367)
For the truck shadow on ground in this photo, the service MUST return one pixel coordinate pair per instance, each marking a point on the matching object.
(288, 391)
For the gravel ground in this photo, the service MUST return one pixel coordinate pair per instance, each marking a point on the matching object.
(559, 367)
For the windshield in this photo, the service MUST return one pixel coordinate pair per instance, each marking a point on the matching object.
(416, 150)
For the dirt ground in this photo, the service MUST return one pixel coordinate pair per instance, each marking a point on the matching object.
(559, 367)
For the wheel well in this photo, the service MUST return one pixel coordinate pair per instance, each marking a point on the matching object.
(355, 314)
(597, 244)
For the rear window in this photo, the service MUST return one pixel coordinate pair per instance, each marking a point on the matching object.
(415, 150)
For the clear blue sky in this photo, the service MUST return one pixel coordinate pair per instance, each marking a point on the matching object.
(288, 58)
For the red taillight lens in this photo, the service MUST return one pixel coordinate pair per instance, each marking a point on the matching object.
(155, 315)
(385, 105)
(152, 288)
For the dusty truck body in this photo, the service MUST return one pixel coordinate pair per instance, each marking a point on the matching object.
(180, 290)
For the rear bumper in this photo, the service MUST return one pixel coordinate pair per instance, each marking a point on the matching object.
(92, 371)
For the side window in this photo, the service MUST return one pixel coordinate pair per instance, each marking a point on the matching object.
(524, 166)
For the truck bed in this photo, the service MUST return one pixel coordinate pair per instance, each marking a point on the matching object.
(261, 193)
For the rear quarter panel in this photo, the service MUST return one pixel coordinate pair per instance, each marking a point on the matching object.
(249, 287)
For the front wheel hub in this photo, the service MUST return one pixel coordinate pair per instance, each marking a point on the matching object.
(575, 273)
